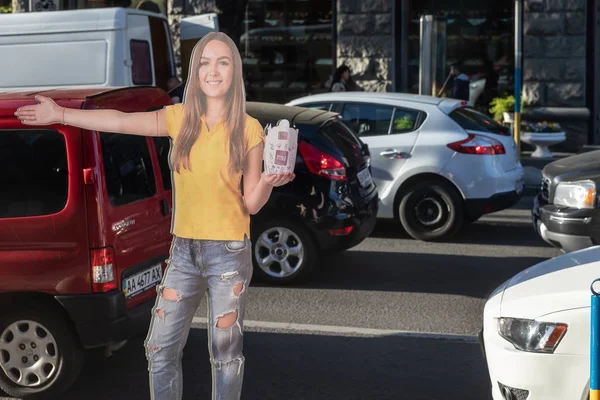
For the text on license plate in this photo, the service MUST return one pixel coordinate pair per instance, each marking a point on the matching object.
(364, 177)
(142, 281)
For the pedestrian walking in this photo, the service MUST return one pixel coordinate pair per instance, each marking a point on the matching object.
(215, 144)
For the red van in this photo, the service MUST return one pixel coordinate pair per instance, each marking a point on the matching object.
(85, 221)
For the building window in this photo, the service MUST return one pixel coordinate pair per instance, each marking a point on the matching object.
(287, 48)
(479, 34)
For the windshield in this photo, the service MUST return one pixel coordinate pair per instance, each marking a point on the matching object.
(470, 119)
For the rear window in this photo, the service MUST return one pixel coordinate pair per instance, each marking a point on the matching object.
(317, 106)
(34, 176)
(336, 129)
(141, 68)
(471, 119)
(127, 168)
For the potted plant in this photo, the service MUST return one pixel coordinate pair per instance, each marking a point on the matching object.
(503, 108)
(542, 135)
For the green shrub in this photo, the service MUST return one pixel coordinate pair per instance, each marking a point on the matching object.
(500, 105)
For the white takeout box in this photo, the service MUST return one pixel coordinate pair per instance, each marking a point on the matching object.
(280, 148)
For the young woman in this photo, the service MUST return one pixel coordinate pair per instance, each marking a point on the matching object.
(342, 81)
(215, 143)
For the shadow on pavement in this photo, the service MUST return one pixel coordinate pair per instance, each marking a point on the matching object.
(294, 366)
(414, 273)
(481, 232)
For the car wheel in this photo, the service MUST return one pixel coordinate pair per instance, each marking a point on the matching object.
(431, 210)
(283, 252)
(40, 357)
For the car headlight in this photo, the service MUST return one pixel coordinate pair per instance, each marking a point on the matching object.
(530, 335)
(580, 194)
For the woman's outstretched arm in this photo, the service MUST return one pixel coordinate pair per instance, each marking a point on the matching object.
(47, 112)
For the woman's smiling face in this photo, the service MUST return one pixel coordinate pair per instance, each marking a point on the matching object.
(216, 69)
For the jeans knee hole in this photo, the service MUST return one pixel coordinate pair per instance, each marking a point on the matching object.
(227, 320)
(170, 294)
(238, 289)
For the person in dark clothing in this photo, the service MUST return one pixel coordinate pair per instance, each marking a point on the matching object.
(342, 81)
(460, 89)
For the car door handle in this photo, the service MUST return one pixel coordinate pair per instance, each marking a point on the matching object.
(394, 153)
(389, 152)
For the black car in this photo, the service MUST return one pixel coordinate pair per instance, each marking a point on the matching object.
(325, 208)
(565, 212)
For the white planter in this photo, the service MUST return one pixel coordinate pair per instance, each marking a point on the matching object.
(508, 117)
(542, 142)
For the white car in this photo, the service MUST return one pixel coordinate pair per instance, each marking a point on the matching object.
(536, 330)
(437, 163)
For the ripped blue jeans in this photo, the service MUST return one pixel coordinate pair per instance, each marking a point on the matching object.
(222, 270)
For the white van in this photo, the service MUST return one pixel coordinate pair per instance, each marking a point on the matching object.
(85, 48)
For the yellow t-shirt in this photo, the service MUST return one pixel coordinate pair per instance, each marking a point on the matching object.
(208, 202)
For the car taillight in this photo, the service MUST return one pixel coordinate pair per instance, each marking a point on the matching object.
(341, 231)
(103, 270)
(479, 145)
(320, 163)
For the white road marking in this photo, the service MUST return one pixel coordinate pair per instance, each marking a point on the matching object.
(344, 330)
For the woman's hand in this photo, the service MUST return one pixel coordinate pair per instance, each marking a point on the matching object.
(44, 113)
(278, 179)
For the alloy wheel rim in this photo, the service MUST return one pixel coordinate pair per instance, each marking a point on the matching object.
(279, 252)
(28, 353)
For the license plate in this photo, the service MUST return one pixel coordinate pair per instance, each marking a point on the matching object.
(364, 177)
(142, 281)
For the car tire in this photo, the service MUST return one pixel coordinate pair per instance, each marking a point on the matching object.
(271, 255)
(431, 211)
(46, 336)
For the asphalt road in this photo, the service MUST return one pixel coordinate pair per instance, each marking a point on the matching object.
(340, 336)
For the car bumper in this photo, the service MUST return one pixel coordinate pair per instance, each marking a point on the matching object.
(362, 222)
(532, 376)
(494, 203)
(480, 177)
(103, 319)
(568, 231)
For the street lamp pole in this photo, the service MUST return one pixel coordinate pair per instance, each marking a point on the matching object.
(518, 73)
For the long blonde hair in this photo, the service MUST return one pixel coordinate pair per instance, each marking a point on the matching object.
(195, 106)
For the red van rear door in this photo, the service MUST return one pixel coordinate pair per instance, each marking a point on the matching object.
(132, 208)
(133, 219)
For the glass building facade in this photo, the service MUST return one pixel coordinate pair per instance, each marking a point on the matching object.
(287, 48)
(479, 36)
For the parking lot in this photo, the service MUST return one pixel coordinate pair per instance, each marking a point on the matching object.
(393, 318)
